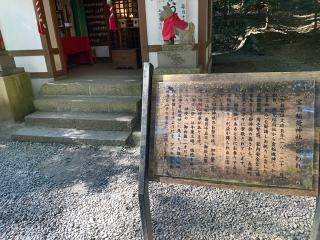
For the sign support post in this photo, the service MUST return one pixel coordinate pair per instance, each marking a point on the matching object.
(144, 200)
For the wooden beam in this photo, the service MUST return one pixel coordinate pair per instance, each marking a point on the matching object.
(40, 75)
(26, 53)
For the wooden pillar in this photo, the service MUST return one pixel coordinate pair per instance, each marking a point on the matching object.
(45, 40)
(202, 10)
(143, 31)
(48, 40)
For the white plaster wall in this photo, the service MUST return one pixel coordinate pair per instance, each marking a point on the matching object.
(192, 15)
(32, 63)
(154, 36)
(153, 58)
(18, 25)
(37, 83)
(152, 26)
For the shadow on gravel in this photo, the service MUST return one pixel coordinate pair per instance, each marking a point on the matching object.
(187, 212)
(85, 168)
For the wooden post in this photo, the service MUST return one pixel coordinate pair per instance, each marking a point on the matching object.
(144, 201)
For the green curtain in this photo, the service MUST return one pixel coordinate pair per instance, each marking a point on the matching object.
(79, 16)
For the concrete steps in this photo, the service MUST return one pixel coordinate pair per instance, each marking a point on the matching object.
(83, 121)
(84, 112)
(72, 136)
(89, 104)
(112, 88)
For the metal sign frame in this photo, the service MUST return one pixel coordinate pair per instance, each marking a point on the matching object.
(146, 155)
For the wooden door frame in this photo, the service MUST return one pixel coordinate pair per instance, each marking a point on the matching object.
(143, 30)
(59, 49)
(48, 50)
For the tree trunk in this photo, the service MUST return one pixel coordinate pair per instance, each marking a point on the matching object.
(316, 8)
(267, 16)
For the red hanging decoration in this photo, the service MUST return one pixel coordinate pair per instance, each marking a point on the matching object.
(41, 25)
(169, 24)
(112, 20)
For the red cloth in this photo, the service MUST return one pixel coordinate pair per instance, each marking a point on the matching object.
(112, 21)
(77, 49)
(1, 42)
(169, 24)
(41, 28)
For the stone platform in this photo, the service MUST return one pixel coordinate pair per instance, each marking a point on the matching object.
(177, 59)
(16, 97)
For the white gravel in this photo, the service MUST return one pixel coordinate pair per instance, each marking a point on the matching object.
(50, 191)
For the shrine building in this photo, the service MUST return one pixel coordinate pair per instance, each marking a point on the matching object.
(84, 58)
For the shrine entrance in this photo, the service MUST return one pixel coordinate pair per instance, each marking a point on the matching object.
(103, 34)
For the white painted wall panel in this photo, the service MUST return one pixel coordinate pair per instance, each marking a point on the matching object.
(154, 33)
(32, 63)
(192, 16)
(18, 25)
(153, 58)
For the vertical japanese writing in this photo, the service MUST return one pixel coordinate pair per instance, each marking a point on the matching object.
(227, 133)
(299, 121)
(258, 134)
(266, 136)
(242, 130)
(213, 135)
(250, 135)
(273, 134)
(206, 128)
(235, 137)
(282, 110)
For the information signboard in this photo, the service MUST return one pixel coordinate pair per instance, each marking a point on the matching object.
(257, 134)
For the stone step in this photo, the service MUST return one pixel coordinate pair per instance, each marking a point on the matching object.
(165, 71)
(71, 136)
(88, 104)
(83, 121)
(93, 88)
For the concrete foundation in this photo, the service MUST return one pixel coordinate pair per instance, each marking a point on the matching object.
(177, 59)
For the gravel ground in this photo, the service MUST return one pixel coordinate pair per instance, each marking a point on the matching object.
(50, 191)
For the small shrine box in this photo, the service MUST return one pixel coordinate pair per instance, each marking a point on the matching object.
(125, 58)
